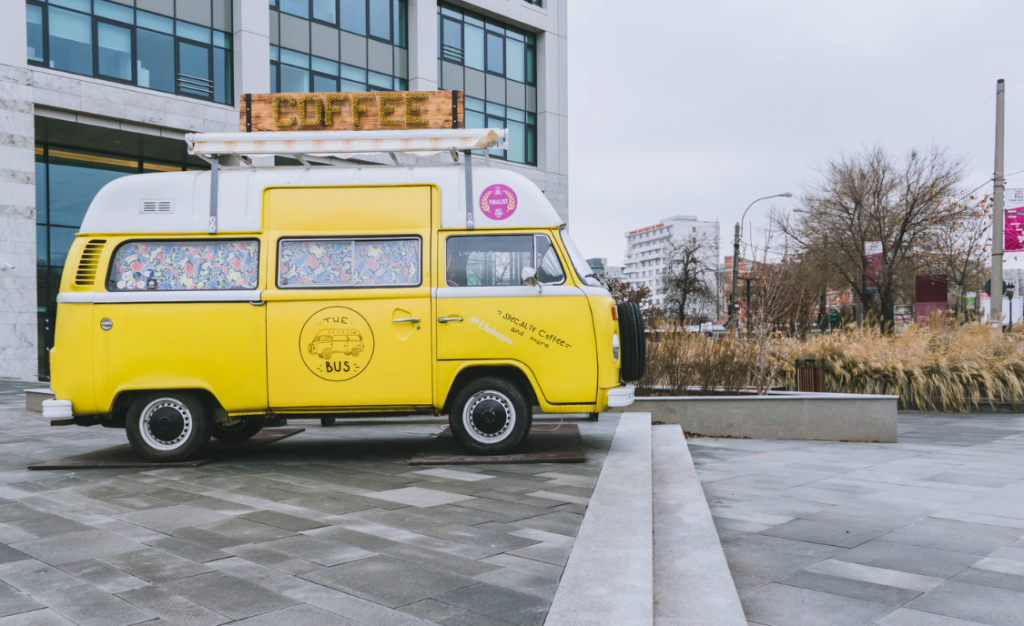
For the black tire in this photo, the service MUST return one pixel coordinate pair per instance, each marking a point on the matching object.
(241, 431)
(177, 426)
(593, 417)
(490, 415)
(328, 421)
(632, 342)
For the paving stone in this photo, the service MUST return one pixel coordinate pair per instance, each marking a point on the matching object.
(824, 532)
(991, 578)
(9, 554)
(13, 601)
(479, 537)
(389, 581)
(247, 531)
(499, 603)
(103, 576)
(76, 547)
(884, 594)
(48, 526)
(907, 558)
(451, 474)
(432, 558)
(358, 609)
(33, 577)
(271, 558)
(42, 617)
(282, 520)
(908, 617)
(876, 575)
(954, 536)
(567, 524)
(544, 552)
(782, 605)
(228, 595)
(86, 605)
(432, 610)
(155, 566)
(974, 603)
(419, 497)
(189, 549)
(173, 517)
(517, 580)
(302, 614)
(172, 608)
(316, 550)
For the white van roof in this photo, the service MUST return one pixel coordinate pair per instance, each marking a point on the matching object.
(179, 202)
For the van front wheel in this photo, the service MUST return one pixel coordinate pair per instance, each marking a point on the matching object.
(490, 416)
(167, 426)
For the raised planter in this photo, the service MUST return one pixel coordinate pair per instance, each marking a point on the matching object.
(779, 415)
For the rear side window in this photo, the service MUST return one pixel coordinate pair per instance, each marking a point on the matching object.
(200, 265)
(348, 262)
(498, 260)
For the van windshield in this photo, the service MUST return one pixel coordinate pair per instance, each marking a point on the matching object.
(579, 262)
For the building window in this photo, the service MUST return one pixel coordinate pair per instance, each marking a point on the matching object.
(376, 60)
(118, 43)
(384, 20)
(496, 66)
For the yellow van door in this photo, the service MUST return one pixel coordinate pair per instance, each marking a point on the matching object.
(348, 299)
(485, 311)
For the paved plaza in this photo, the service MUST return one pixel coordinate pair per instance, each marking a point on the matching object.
(926, 532)
(330, 527)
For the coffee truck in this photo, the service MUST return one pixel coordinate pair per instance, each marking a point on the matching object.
(199, 304)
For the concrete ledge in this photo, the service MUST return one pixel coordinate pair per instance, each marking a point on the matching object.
(780, 415)
(692, 582)
(34, 399)
(608, 580)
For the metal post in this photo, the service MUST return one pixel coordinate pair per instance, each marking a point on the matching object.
(214, 171)
(996, 297)
(469, 190)
(733, 313)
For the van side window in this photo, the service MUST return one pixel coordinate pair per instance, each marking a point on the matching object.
(203, 265)
(349, 262)
(498, 260)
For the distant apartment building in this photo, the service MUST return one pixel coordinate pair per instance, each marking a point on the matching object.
(647, 249)
(603, 271)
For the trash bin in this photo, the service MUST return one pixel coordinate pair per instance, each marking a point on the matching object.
(810, 375)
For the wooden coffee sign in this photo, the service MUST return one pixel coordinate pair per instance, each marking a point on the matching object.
(382, 110)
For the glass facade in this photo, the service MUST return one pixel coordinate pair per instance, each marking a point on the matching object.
(496, 66)
(338, 45)
(66, 182)
(186, 51)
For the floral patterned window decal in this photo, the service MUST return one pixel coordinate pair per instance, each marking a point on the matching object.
(185, 265)
(349, 263)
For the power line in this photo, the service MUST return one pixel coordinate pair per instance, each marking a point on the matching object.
(973, 109)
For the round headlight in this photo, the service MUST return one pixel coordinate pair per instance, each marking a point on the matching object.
(615, 348)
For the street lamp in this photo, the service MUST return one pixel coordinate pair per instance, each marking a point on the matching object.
(733, 313)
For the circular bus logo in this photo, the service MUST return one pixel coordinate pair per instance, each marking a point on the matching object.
(336, 343)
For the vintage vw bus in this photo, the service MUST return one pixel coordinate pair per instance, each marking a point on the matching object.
(199, 304)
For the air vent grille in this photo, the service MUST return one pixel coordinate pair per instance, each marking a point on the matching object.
(156, 207)
(89, 263)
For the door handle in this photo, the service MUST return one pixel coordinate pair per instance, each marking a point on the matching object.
(414, 320)
(257, 302)
(445, 320)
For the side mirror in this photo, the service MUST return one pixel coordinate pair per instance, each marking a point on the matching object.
(530, 277)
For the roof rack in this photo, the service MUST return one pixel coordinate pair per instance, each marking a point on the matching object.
(312, 144)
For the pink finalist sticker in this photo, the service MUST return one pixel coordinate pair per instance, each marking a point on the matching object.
(498, 202)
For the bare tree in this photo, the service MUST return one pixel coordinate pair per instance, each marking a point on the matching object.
(873, 196)
(689, 275)
(960, 248)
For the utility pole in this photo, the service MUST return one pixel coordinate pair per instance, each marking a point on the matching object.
(733, 313)
(998, 194)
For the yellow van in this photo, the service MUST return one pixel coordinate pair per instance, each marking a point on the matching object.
(187, 312)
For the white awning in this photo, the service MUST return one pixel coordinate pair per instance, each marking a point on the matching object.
(337, 142)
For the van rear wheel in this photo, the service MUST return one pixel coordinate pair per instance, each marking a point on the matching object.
(167, 426)
(241, 431)
(490, 416)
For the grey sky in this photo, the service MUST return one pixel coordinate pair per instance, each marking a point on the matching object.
(699, 107)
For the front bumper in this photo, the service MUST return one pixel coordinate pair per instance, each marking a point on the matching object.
(621, 396)
(57, 409)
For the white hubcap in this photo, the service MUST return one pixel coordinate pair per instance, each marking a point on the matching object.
(489, 417)
(165, 424)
